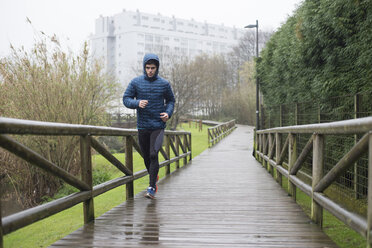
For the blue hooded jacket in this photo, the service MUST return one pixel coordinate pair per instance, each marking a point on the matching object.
(156, 90)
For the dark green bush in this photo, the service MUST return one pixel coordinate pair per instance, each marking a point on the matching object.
(323, 50)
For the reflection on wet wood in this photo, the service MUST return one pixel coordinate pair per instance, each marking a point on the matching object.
(223, 199)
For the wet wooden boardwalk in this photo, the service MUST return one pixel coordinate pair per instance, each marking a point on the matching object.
(223, 199)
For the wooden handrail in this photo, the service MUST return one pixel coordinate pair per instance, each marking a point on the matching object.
(319, 182)
(87, 194)
(353, 126)
(216, 133)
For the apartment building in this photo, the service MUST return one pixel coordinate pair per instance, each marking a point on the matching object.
(121, 40)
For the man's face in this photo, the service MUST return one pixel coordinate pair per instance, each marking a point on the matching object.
(150, 70)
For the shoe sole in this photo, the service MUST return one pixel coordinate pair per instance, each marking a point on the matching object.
(147, 195)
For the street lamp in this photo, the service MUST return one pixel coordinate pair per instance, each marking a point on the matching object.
(257, 83)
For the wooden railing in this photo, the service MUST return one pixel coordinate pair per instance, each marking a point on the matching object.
(173, 140)
(218, 132)
(268, 144)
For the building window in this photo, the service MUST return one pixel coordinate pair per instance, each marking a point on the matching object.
(145, 18)
(157, 39)
(149, 38)
(148, 47)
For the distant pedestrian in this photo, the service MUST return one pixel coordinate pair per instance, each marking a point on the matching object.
(153, 98)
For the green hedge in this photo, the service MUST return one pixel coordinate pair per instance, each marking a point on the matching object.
(323, 50)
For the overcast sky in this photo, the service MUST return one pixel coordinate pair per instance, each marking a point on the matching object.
(73, 20)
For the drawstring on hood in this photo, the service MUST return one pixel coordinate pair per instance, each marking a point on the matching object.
(146, 58)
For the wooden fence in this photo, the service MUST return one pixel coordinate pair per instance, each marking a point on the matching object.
(173, 140)
(218, 132)
(270, 151)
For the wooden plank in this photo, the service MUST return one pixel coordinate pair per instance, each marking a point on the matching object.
(185, 144)
(292, 157)
(99, 148)
(284, 149)
(190, 142)
(192, 210)
(318, 168)
(167, 153)
(278, 148)
(172, 145)
(352, 126)
(87, 176)
(177, 146)
(136, 146)
(307, 149)
(369, 212)
(129, 188)
(21, 219)
(347, 161)
(36, 159)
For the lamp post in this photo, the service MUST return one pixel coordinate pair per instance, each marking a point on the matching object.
(257, 83)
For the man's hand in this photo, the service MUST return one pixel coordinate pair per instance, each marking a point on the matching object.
(164, 117)
(143, 103)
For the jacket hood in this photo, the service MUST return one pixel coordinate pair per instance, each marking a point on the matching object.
(146, 58)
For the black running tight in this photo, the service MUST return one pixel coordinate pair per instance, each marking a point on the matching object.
(150, 141)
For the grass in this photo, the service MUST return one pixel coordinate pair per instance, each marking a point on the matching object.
(341, 234)
(47, 231)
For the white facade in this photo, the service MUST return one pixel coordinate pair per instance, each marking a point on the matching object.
(122, 40)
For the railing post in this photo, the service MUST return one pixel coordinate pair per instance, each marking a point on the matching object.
(87, 176)
(271, 143)
(261, 137)
(369, 214)
(209, 137)
(190, 144)
(184, 145)
(129, 165)
(318, 164)
(177, 145)
(263, 149)
(254, 143)
(278, 149)
(292, 156)
(167, 151)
